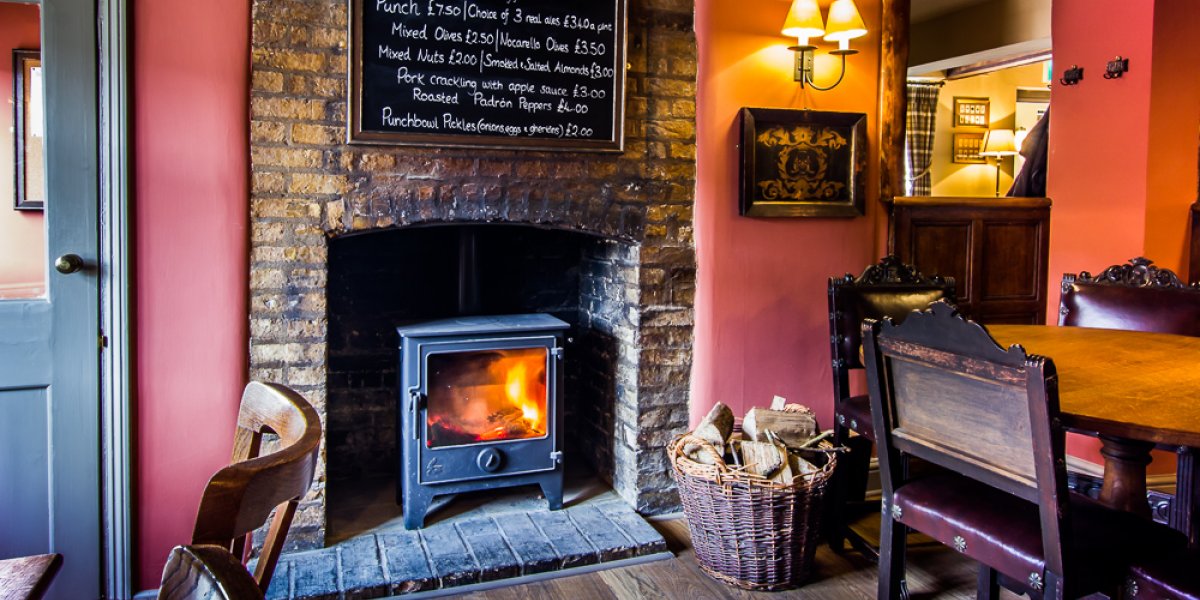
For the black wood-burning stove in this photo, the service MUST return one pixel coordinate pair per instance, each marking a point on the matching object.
(480, 408)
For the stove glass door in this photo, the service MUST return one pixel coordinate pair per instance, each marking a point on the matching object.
(486, 396)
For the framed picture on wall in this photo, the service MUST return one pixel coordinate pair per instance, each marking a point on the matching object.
(971, 112)
(966, 148)
(29, 119)
(802, 163)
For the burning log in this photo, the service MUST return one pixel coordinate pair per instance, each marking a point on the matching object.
(510, 422)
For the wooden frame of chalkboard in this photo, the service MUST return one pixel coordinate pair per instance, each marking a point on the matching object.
(529, 74)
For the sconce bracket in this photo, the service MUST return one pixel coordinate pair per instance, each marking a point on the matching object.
(1072, 76)
(1116, 68)
(803, 72)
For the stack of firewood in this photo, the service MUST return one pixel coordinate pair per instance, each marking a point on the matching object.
(768, 446)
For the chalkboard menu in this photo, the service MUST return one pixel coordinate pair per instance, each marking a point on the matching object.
(539, 74)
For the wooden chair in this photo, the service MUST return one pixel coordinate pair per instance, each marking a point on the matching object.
(887, 289)
(239, 498)
(206, 573)
(1139, 296)
(942, 390)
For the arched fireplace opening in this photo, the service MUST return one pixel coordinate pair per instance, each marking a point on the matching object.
(384, 279)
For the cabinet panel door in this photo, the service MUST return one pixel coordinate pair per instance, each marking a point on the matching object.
(1010, 261)
(944, 248)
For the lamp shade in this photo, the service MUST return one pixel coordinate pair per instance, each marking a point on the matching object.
(844, 22)
(999, 142)
(804, 20)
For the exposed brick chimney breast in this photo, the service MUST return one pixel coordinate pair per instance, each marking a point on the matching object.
(637, 265)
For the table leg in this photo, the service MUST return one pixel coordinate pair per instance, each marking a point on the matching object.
(1187, 495)
(1125, 474)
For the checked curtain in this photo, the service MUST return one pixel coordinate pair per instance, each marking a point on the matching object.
(918, 137)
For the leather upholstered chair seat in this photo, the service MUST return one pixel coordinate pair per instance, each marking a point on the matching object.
(1171, 577)
(1004, 531)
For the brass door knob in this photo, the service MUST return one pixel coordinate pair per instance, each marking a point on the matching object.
(68, 263)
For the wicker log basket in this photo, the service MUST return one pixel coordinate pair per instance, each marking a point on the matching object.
(748, 531)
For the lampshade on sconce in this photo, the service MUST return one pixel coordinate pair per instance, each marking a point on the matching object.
(844, 23)
(997, 144)
(804, 22)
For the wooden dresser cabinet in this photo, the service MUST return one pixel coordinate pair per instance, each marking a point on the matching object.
(995, 248)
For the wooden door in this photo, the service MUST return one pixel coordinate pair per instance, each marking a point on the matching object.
(50, 344)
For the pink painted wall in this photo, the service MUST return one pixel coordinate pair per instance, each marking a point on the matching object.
(1122, 165)
(762, 327)
(22, 232)
(190, 180)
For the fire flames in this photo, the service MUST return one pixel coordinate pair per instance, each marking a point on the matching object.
(487, 396)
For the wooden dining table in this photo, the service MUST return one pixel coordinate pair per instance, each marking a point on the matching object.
(1134, 391)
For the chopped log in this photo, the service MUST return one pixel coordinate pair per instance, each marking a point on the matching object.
(800, 466)
(778, 403)
(716, 427)
(767, 460)
(702, 454)
(792, 428)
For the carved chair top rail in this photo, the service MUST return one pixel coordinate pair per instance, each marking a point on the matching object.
(889, 288)
(1138, 272)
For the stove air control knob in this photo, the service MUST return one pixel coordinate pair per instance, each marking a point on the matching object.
(489, 459)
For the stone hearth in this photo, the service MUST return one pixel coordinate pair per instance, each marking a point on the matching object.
(508, 535)
(313, 194)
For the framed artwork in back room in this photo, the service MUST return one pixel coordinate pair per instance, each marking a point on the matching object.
(972, 112)
(802, 163)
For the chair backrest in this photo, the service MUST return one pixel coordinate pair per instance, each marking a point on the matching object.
(1137, 296)
(942, 390)
(239, 498)
(887, 289)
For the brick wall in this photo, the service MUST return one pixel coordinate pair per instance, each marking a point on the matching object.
(309, 187)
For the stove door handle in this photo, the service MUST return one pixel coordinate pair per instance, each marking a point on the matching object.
(414, 410)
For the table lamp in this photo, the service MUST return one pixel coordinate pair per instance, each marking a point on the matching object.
(998, 143)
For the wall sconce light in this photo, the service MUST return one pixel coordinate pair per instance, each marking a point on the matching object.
(997, 144)
(804, 21)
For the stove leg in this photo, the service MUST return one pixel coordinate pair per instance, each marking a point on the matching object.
(416, 503)
(552, 489)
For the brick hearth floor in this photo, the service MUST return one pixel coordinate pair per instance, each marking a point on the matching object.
(476, 538)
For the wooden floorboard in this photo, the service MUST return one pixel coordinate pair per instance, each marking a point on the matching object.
(933, 572)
